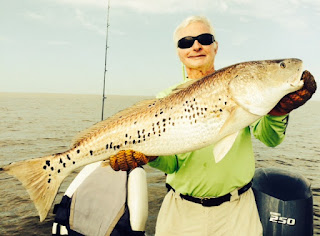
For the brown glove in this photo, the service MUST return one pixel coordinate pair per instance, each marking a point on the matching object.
(128, 159)
(296, 99)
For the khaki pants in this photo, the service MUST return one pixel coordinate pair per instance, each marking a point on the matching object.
(238, 217)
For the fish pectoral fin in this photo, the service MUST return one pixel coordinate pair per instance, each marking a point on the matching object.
(222, 147)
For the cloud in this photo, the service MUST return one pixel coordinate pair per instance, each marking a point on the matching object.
(80, 16)
(33, 15)
(59, 43)
(288, 13)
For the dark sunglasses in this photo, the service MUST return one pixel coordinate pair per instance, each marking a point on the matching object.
(203, 39)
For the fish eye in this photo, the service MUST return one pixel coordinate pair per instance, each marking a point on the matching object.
(283, 65)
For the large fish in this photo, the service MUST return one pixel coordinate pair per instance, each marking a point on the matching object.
(209, 110)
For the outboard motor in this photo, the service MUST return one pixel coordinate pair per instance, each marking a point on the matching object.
(284, 202)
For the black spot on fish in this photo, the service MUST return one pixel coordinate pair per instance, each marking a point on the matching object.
(158, 123)
(118, 146)
(69, 156)
(225, 103)
(107, 146)
(60, 161)
(135, 122)
(49, 180)
(148, 134)
(78, 151)
(172, 123)
(156, 115)
(74, 162)
(164, 130)
(49, 175)
(220, 110)
(52, 168)
(114, 148)
(139, 141)
(205, 108)
(64, 165)
(164, 120)
(91, 152)
(48, 163)
(58, 170)
(111, 145)
(44, 167)
(125, 142)
(126, 135)
(134, 141)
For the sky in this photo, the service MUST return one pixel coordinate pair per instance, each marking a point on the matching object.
(58, 46)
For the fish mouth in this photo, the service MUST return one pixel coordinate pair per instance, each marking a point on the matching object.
(297, 83)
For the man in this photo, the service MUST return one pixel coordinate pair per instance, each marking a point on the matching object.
(205, 197)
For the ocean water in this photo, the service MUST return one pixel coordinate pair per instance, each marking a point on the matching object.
(34, 125)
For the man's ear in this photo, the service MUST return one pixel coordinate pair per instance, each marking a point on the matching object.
(216, 46)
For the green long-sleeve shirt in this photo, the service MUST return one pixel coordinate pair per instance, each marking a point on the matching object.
(197, 174)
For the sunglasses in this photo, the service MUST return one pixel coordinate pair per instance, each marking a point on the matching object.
(203, 39)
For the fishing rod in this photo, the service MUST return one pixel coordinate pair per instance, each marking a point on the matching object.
(105, 62)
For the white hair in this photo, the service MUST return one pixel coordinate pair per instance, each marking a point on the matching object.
(190, 20)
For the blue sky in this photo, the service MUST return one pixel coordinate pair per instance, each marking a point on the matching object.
(58, 46)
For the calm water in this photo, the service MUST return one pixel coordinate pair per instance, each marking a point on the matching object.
(33, 125)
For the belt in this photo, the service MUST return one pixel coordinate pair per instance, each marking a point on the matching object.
(212, 201)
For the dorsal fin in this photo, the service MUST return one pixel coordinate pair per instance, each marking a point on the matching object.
(102, 124)
(184, 86)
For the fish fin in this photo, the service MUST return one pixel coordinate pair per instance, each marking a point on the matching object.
(35, 179)
(130, 111)
(184, 86)
(222, 147)
(236, 114)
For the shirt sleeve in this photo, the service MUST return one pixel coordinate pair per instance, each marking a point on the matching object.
(167, 164)
(270, 130)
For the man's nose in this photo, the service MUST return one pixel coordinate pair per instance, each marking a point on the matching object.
(196, 46)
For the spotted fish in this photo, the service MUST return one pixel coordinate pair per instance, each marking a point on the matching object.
(205, 111)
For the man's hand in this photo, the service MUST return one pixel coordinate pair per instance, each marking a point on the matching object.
(128, 159)
(296, 99)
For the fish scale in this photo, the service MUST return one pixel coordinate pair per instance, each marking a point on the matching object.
(211, 110)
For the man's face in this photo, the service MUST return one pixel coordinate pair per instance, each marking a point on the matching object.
(198, 56)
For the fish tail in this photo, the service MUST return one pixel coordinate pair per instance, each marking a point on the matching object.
(41, 183)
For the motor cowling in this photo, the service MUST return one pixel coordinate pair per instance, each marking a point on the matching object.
(284, 201)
